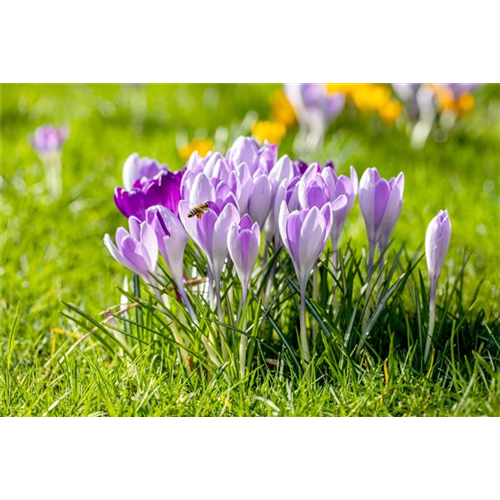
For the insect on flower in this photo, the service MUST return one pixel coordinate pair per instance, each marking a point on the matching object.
(198, 210)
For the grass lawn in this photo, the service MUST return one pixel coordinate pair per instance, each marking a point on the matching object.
(53, 253)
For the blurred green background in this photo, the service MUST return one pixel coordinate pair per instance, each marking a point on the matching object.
(53, 251)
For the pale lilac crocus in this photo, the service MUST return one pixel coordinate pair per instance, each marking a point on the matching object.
(437, 241)
(48, 141)
(319, 186)
(380, 202)
(136, 168)
(136, 250)
(209, 232)
(243, 241)
(304, 234)
(172, 241)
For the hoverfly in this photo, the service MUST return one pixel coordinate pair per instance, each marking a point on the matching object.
(198, 210)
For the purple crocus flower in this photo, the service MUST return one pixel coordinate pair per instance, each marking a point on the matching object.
(243, 241)
(459, 89)
(437, 241)
(380, 201)
(300, 167)
(48, 139)
(137, 250)
(172, 241)
(163, 189)
(315, 109)
(136, 168)
(209, 232)
(318, 187)
(304, 234)
(246, 150)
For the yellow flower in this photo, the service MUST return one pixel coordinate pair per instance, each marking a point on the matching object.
(371, 97)
(203, 146)
(391, 111)
(281, 109)
(272, 131)
(344, 88)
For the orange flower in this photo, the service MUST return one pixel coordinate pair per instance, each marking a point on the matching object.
(391, 111)
(465, 104)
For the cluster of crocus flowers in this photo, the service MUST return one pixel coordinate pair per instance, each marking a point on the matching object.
(48, 141)
(240, 205)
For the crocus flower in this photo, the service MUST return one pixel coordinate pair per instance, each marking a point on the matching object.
(243, 241)
(380, 201)
(48, 139)
(137, 250)
(246, 150)
(209, 232)
(315, 109)
(319, 186)
(437, 241)
(163, 189)
(136, 168)
(304, 234)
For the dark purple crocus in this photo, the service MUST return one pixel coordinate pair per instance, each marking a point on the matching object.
(136, 168)
(163, 190)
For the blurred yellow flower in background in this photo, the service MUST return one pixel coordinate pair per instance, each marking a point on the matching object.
(344, 88)
(371, 97)
(268, 130)
(203, 146)
(281, 109)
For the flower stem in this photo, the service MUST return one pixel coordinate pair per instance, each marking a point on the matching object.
(366, 316)
(223, 340)
(184, 296)
(315, 298)
(306, 357)
(244, 338)
(270, 283)
(432, 320)
(52, 167)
